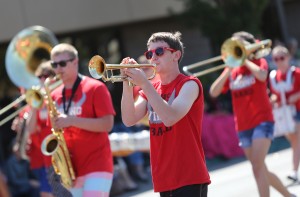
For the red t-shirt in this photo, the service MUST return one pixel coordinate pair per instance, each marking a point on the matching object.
(37, 158)
(294, 83)
(90, 151)
(250, 101)
(177, 156)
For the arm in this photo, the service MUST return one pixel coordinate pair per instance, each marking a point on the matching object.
(132, 111)
(31, 122)
(259, 73)
(104, 123)
(294, 98)
(170, 114)
(217, 87)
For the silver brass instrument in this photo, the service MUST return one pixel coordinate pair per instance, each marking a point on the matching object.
(24, 54)
(233, 54)
(99, 69)
(55, 145)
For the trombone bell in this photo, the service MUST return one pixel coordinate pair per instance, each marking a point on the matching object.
(100, 70)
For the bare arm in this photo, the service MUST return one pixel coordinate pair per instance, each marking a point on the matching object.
(217, 86)
(31, 122)
(132, 111)
(172, 113)
(104, 123)
(259, 73)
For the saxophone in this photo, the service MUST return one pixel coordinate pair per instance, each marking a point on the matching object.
(55, 145)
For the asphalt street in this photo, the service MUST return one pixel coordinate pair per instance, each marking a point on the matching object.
(235, 179)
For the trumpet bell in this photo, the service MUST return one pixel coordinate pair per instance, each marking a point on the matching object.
(25, 52)
(97, 66)
(100, 70)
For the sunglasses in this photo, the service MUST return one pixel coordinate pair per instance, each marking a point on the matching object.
(62, 63)
(158, 52)
(43, 76)
(277, 59)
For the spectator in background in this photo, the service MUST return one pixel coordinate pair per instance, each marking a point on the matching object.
(292, 46)
(4, 192)
(20, 179)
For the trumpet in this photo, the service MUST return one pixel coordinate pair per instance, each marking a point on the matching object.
(99, 69)
(233, 53)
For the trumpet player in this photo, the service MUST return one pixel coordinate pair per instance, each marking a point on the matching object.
(253, 113)
(175, 107)
(86, 117)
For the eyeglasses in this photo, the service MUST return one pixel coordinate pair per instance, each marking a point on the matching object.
(158, 51)
(277, 59)
(62, 63)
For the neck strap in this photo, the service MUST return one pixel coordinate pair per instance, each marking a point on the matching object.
(74, 88)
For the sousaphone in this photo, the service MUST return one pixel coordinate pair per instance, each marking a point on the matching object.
(25, 52)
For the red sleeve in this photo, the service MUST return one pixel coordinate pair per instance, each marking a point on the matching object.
(102, 101)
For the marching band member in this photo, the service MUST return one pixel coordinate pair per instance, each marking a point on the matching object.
(253, 114)
(290, 76)
(86, 116)
(175, 105)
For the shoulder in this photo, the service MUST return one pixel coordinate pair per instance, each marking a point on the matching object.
(191, 81)
(91, 82)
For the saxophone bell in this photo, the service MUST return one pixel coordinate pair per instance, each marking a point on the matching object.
(49, 145)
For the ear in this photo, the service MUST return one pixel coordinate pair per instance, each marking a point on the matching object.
(177, 55)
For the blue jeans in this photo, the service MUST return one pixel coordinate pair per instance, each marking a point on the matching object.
(263, 130)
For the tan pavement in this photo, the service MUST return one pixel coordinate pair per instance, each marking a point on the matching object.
(237, 181)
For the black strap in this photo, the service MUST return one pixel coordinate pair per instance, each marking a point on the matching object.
(74, 88)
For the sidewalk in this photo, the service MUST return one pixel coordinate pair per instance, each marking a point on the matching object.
(236, 180)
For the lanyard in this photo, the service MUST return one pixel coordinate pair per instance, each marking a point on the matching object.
(74, 88)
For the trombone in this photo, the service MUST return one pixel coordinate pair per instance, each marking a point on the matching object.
(99, 69)
(233, 53)
(34, 98)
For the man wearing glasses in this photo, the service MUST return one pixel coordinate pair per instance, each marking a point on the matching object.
(175, 105)
(86, 116)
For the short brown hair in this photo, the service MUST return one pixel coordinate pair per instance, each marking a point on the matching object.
(172, 39)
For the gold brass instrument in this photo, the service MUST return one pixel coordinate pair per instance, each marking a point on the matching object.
(99, 69)
(55, 145)
(34, 97)
(24, 54)
(233, 53)
(22, 136)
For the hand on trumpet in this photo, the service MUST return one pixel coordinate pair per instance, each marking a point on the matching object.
(136, 76)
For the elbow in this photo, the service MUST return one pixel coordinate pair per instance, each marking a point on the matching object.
(170, 122)
(127, 123)
(213, 93)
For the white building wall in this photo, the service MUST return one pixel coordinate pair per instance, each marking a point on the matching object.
(63, 16)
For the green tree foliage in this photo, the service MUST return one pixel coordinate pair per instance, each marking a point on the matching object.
(218, 19)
